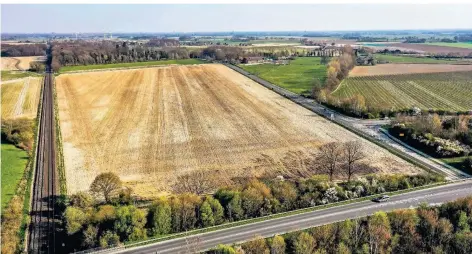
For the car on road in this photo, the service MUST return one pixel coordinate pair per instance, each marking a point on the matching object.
(382, 198)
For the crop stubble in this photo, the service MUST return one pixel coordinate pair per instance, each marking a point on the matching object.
(21, 98)
(150, 125)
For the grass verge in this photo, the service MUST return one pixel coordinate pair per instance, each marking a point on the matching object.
(14, 161)
(457, 162)
(65, 69)
(29, 186)
(59, 148)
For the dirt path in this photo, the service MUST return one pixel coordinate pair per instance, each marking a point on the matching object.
(18, 109)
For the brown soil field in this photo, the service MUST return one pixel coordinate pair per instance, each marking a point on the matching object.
(20, 99)
(151, 125)
(26, 60)
(10, 63)
(392, 69)
(433, 48)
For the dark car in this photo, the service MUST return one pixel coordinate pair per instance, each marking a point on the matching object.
(381, 198)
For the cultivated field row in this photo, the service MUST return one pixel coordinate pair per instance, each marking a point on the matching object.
(450, 91)
(394, 69)
(151, 125)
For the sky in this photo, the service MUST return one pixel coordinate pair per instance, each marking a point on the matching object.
(217, 18)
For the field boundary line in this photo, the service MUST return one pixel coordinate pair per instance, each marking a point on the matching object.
(125, 68)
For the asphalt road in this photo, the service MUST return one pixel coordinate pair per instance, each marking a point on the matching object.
(42, 227)
(268, 228)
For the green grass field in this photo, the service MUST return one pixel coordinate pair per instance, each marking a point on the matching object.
(128, 65)
(297, 76)
(13, 165)
(457, 162)
(424, 60)
(9, 75)
(450, 91)
(467, 45)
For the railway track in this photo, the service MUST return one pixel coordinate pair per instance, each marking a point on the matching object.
(41, 238)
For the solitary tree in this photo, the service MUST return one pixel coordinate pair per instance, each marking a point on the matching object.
(352, 152)
(197, 182)
(106, 185)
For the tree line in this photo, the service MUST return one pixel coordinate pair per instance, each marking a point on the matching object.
(116, 219)
(108, 52)
(442, 229)
(12, 50)
(338, 69)
(80, 52)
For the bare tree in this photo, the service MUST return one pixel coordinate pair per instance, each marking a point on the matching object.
(352, 152)
(106, 184)
(330, 155)
(197, 182)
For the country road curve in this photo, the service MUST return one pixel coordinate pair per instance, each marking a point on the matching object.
(205, 241)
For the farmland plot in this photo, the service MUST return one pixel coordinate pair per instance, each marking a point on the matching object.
(21, 98)
(19, 63)
(391, 69)
(151, 125)
(451, 91)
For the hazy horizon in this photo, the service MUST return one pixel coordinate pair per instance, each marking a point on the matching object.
(236, 17)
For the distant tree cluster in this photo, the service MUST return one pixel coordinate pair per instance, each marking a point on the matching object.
(108, 52)
(163, 42)
(463, 38)
(443, 229)
(10, 50)
(91, 223)
(414, 39)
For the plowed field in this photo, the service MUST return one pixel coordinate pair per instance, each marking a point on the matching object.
(150, 125)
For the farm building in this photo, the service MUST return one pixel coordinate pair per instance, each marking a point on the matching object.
(252, 60)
